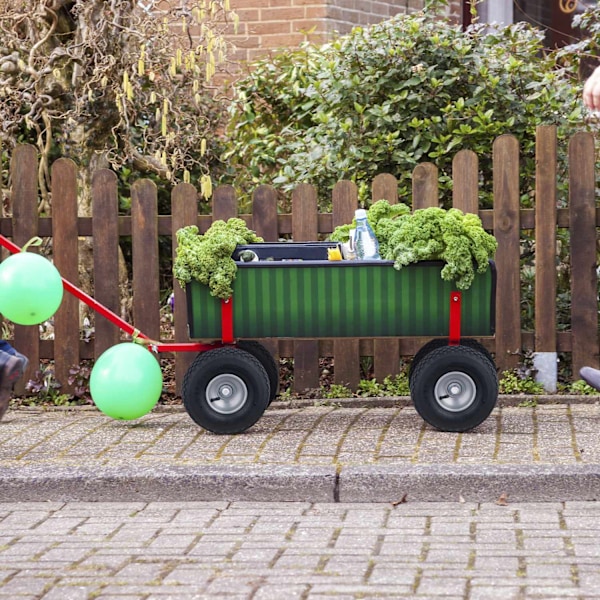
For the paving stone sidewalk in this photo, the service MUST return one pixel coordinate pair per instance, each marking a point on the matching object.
(296, 550)
(330, 453)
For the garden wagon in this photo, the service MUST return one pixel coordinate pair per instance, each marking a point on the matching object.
(294, 291)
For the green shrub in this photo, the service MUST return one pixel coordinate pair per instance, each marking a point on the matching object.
(386, 98)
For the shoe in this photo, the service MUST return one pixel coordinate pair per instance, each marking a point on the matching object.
(24, 359)
(590, 376)
(11, 371)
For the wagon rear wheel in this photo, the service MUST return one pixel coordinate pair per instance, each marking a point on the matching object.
(268, 362)
(454, 388)
(438, 343)
(226, 390)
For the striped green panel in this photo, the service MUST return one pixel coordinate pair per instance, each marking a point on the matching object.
(342, 299)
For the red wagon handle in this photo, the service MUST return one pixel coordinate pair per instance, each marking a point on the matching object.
(96, 306)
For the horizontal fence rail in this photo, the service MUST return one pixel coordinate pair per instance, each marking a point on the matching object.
(506, 220)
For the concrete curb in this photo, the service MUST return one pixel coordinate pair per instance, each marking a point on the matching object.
(169, 484)
(272, 483)
(481, 483)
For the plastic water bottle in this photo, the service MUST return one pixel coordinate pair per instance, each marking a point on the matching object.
(365, 242)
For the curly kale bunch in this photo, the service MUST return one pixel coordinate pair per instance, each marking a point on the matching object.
(450, 235)
(207, 258)
(430, 234)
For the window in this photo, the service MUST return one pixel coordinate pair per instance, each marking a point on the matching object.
(554, 16)
(496, 11)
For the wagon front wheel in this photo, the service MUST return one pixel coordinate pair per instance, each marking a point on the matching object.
(454, 388)
(226, 390)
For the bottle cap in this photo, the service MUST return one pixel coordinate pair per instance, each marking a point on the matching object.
(360, 213)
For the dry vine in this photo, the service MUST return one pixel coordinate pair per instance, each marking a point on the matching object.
(118, 79)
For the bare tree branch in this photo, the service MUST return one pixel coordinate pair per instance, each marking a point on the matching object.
(116, 77)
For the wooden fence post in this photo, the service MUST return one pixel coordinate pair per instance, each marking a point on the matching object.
(24, 177)
(507, 232)
(386, 353)
(545, 257)
(224, 204)
(425, 190)
(105, 225)
(582, 213)
(305, 229)
(184, 208)
(144, 233)
(264, 223)
(264, 213)
(465, 182)
(66, 259)
(346, 355)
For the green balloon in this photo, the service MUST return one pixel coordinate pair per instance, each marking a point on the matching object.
(31, 288)
(126, 381)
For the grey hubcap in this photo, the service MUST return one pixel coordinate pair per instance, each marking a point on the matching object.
(455, 391)
(226, 393)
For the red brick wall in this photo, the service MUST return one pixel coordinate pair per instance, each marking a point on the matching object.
(267, 25)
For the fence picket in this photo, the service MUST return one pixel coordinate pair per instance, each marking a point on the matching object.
(465, 181)
(24, 176)
(425, 192)
(346, 356)
(224, 204)
(144, 226)
(305, 229)
(384, 187)
(386, 353)
(66, 259)
(545, 240)
(264, 222)
(582, 213)
(105, 225)
(507, 232)
(264, 213)
(184, 208)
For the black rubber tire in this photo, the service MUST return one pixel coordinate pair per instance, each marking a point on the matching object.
(268, 362)
(466, 370)
(438, 343)
(226, 369)
(423, 351)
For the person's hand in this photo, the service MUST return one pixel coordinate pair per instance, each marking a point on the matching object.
(591, 90)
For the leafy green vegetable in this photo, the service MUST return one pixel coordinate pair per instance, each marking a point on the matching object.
(430, 234)
(449, 235)
(207, 258)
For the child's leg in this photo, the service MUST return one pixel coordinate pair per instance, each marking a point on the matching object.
(11, 369)
(6, 347)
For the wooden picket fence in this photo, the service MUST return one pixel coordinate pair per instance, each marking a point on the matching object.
(506, 220)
